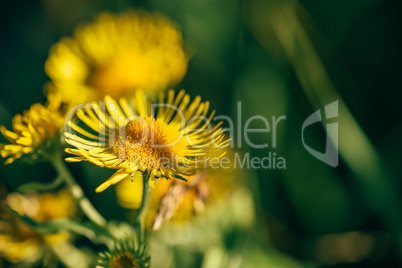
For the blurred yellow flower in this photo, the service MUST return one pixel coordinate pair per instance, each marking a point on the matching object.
(44, 207)
(33, 131)
(18, 241)
(130, 139)
(15, 250)
(116, 55)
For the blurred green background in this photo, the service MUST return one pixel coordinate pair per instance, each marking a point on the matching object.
(278, 58)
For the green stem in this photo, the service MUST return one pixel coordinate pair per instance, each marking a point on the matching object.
(44, 187)
(77, 192)
(140, 216)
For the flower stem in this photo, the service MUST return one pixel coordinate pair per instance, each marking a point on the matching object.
(140, 216)
(77, 192)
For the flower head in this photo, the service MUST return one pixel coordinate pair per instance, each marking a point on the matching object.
(18, 241)
(126, 135)
(33, 131)
(44, 207)
(116, 55)
(124, 255)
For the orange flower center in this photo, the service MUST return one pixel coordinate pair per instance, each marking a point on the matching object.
(150, 143)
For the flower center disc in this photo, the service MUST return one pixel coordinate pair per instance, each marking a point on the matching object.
(150, 143)
(123, 262)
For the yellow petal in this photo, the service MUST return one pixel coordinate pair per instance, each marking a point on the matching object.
(115, 178)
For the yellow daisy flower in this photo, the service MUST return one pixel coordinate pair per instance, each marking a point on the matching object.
(44, 207)
(15, 250)
(129, 137)
(116, 55)
(18, 241)
(33, 131)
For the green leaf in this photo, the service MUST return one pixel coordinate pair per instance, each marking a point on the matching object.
(41, 187)
(88, 229)
(177, 176)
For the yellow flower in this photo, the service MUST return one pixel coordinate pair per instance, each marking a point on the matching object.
(116, 55)
(19, 242)
(43, 207)
(130, 138)
(124, 254)
(33, 131)
(50, 206)
(15, 250)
